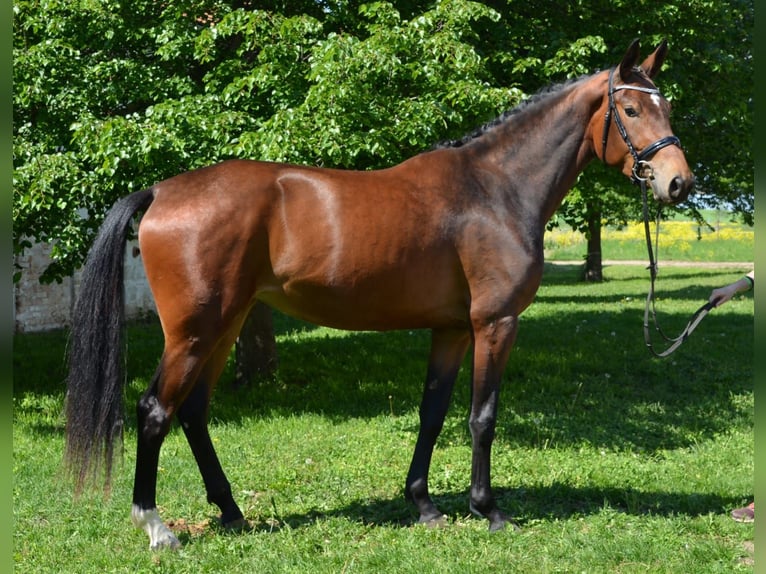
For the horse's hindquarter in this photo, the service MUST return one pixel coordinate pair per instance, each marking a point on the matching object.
(199, 241)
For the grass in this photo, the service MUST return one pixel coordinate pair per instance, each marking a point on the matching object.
(611, 461)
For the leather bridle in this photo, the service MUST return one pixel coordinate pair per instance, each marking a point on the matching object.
(641, 172)
(640, 159)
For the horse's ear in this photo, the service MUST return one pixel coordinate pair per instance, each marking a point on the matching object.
(629, 60)
(653, 62)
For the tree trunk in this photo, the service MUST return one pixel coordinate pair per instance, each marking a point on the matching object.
(593, 266)
(256, 348)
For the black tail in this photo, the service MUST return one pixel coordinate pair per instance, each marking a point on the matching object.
(94, 403)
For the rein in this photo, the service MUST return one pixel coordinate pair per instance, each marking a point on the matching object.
(642, 172)
(649, 308)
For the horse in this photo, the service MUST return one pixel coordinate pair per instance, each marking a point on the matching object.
(450, 240)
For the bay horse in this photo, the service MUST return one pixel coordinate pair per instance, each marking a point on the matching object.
(449, 240)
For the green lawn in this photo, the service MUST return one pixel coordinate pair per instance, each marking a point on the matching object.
(611, 460)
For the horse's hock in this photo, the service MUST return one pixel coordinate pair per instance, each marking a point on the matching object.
(43, 307)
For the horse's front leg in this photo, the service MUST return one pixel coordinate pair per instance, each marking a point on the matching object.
(492, 346)
(447, 351)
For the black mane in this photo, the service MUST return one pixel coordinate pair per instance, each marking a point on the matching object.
(523, 105)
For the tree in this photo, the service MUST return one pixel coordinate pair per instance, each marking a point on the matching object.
(255, 352)
(195, 83)
(111, 97)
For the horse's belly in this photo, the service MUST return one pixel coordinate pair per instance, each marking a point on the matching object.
(373, 305)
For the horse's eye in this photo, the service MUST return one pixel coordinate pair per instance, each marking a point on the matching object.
(631, 112)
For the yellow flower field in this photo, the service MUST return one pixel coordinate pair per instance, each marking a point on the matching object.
(677, 239)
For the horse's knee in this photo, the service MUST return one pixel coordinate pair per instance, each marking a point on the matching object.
(482, 429)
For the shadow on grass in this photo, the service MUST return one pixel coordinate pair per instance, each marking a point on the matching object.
(576, 376)
(684, 278)
(573, 379)
(526, 507)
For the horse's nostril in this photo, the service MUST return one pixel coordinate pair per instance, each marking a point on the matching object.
(675, 187)
(679, 187)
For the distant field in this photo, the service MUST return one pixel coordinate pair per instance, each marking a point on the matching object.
(678, 240)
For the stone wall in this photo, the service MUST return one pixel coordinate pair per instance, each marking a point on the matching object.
(39, 307)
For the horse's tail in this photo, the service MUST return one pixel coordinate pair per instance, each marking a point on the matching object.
(94, 402)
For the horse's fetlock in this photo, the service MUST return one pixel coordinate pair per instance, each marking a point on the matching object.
(220, 495)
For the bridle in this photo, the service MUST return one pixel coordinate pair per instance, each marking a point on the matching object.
(641, 173)
(640, 160)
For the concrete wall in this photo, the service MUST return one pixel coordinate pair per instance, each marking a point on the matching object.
(39, 307)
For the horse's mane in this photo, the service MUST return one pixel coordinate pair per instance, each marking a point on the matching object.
(524, 105)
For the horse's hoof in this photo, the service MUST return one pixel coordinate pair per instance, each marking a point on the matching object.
(165, 541)
(150, 522)
(498, 520)
(503, 523)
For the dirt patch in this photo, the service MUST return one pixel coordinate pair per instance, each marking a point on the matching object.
(181, 525)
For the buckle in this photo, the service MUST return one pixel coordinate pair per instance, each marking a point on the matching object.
(642, 171)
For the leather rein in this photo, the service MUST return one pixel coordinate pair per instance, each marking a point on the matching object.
(641, 173)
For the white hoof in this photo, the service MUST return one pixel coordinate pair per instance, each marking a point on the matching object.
(150, 522)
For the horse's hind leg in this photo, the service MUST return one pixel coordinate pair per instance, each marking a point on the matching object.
(153, 427)
(193, 416)
(447, 351)
(182, 386)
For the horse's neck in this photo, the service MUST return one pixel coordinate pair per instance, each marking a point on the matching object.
(544, 150)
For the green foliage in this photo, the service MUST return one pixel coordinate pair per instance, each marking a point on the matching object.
(111, 97)
(611, 461)
(377, 100)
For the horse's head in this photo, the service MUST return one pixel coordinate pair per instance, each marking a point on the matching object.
(636, 133)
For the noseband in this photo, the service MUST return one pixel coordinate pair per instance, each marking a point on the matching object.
(640, 159)
(641, 163)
